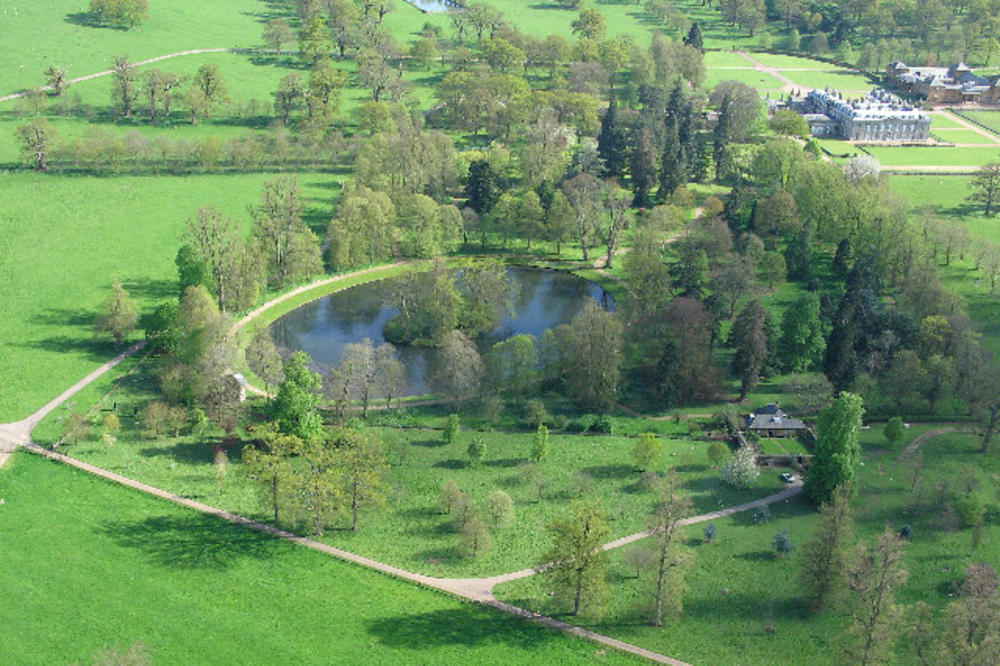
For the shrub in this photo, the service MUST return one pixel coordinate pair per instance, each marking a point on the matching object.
(709, 532)
(540, 444)
(893, 431)
(535, 413)
(451, 429)
(154, 417)
(499, 508)
(741, 470)
(528, 474)
(560, 422)
(603, 424)
(111, 424)
(75, 428)
(583, 423)
(449, 496)
(477, 451)
(781, 543)
(762, 514)
(906, 532)
(718, 453)
(475, 538)
(647, 452)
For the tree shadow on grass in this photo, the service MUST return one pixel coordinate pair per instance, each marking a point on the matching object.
(88, 20)
(602, 472)
(465, 626)
(429, 443)
(191, 541)
(505, 462)
(154, 290)
(452, 463)
(745, 606)
(200, 452)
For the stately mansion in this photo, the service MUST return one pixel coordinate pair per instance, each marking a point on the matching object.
(876, 116)
(944, 85)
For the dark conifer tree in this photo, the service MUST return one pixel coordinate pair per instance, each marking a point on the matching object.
(642, 166)
(694, 38)
(612, 143)
(482, 187)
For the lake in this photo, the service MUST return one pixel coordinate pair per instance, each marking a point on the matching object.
(544, 300)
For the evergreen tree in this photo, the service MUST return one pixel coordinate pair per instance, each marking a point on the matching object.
(482, 187)
(642, 166)
(612, 143)
(721, 137)
(673, 167)
(801, 345)
(694, 38)
(749, 340)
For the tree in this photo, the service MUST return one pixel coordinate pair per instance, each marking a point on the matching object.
(825, 559)
(971, 631)
(75, 427)
(316, 485)
(452, 428)
(118, 316)
(295, 406)
(364, 373)
(595, 353)
(540, 444)
(575, 566)
(314, 40)
(642, 167)
(718, 453)
(612, 142)
(836, 451)
(781, 544)
(290, 96)
(476, 451)
(876, 573)
(270, 468)
(671, 558)
(210, 87)
(36, 138)
(986, 187)
(290, 248)
(893, 431)
(801, 345)
(154, 418)
(263, 358)
(499, 508)
(647, 452)
(749, 340)
(617, 202)
(741, 470)
(55, 78)
(584, 193)
(277, 33)
(123, 88)
(482, 187)
(159, 88)
(789, 123)
(590, 24)
(361, 460)
(323, 91)
(218, 243)
(694, 37)
(123, 13)
(489, 294)
(459, 371)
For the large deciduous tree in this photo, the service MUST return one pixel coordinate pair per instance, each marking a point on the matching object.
(836, 452)
(596, 358)
(295, 406)
(361, 459)
(290, 248)
(825, 559)
(123, 13)
(118, 315)
(671, 557)
(270, 467)
(458, 373)
(37, 138)
(986, 188)
(875, 617)
(576, 562)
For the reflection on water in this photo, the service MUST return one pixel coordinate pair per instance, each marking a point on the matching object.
(432, 6)
(545, 299)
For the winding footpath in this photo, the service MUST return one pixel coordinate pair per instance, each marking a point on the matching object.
(476, 590)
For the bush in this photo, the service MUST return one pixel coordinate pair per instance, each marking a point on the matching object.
(762, 514)
(540, 444)
(583, 423)
(741, 470)
(709, 532)
(477, 451)
(603, 424)
(499, 508)
(782, 544)
(893, 431)
(718, 453)
(535, 413)
(475, 538)
(560, 422)
(647, 452)
(75, 428)
(451, 429)
(449, 496)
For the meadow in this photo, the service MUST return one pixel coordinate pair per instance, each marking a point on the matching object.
(843, 80)
(65, 238)
(744, 604)
(990, 119)
(933, 155)
(89, 565)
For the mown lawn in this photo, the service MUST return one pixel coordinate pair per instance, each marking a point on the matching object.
(836, 79)
(744, 605)
(90, 565)
(944, 120)
(989, 118)
(963, 136)
(751, 77)
(786, 61)
(933, 156)
(64, 239)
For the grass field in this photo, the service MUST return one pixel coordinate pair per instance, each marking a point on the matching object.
(743, 605)
(726, 59)
(933, 156)
(195, 589)
(92, 230)
(990, 119)
(840, 147)
(837, 79)
(786, 61)
(751, 77)
(944, 121)
(963, 136)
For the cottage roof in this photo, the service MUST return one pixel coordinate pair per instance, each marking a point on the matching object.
(770, 417)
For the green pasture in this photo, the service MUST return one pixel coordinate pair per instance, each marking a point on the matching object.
(990, 119)
(411, 532)
(751, 77)
(782, 61)
(933, 156)
(964, 136)
(744, 606)
(835, 79)
(944, 121)
(89, 565)
(840, 147)
(714, 59)
(93, 230)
